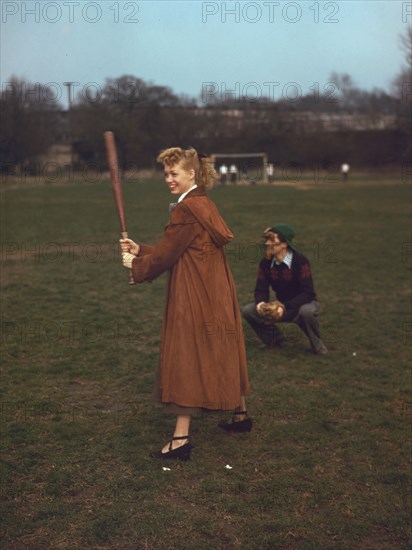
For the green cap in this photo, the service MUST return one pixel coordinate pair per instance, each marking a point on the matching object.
(286, 231)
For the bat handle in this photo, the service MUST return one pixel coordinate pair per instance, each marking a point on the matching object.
(130, 272)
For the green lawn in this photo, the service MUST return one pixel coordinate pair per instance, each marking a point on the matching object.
(327, 464)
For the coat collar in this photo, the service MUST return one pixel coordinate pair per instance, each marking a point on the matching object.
(186, 193)
(197, 192)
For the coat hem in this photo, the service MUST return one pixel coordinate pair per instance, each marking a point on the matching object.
(174, 408)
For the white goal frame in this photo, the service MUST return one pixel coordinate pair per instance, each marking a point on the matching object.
(263, 156)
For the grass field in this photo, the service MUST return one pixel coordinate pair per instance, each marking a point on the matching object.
(328, 462)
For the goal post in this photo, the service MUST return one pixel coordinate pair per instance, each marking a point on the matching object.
(250, 166)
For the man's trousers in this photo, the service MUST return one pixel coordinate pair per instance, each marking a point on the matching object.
(306, 319)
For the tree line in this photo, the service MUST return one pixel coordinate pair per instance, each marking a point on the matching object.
(147, 118)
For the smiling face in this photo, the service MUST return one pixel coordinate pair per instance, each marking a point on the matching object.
(273, 245)
(178, 179)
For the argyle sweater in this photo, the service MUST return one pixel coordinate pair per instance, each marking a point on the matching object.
(293, 286)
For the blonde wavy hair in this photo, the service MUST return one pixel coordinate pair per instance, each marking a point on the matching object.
(190, 159)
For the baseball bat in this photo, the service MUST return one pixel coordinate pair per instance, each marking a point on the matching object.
(116, 186)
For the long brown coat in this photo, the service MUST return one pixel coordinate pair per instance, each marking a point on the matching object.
(202, 356)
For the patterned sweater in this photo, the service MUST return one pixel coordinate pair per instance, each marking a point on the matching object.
(293, 286)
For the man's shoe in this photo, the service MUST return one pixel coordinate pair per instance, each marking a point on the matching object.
(276, 344)
(323, 350)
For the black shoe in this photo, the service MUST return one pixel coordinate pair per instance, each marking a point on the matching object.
(180, 453)
(244, 425)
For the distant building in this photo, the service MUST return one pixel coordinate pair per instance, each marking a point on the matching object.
(304, 121)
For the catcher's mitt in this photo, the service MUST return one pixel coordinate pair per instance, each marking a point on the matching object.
(272, 311)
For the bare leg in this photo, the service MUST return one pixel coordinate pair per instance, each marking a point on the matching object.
(239, 417)
(181, 429)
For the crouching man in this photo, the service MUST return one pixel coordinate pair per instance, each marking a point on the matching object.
(288, 272)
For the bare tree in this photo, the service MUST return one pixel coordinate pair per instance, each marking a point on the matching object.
(29, 121)
(402, 87)
(402, 84)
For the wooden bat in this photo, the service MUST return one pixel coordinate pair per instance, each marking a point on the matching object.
(117, 187)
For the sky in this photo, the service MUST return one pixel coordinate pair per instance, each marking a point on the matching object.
(203, 49)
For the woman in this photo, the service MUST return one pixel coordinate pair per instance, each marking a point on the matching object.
(202, 357)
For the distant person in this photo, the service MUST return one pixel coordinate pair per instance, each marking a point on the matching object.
(345, 171)
(288, 273)
(269, 172)
(223, 174)
(233, 173)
